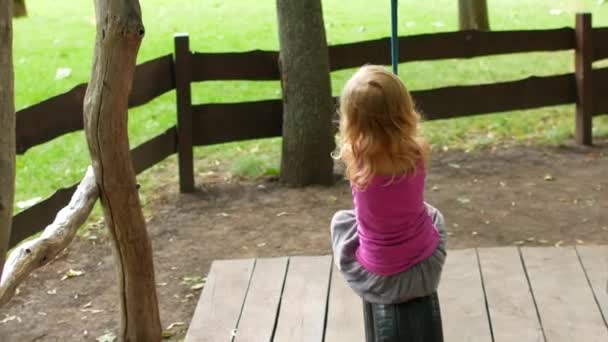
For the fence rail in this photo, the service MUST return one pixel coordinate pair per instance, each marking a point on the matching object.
(205, 124)
(62, 114)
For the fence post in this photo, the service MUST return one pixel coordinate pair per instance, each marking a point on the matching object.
(584, 82)
(183, 63)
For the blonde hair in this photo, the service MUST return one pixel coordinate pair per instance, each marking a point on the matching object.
(378, 127)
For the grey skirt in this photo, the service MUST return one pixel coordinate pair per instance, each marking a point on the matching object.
(420, 280)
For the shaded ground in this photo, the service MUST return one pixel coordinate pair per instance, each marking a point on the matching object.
(521, 195)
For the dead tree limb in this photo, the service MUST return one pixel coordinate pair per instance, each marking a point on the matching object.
(36, 253)
(119, 34)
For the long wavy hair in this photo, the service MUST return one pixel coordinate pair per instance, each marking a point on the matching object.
(378, 127)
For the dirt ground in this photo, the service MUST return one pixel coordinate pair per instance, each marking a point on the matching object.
(504, 196)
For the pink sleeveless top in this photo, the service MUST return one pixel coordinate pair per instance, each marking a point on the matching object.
(395, 230)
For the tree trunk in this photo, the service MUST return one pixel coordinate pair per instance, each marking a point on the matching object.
(473, 15)
(7, 127)
(119, 34)
(308, 107)
(19, 10)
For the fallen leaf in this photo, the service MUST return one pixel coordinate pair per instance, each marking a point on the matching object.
(197, 286)
(223, 214)
(502, 184)
(559, 243)
(42, 313)
(282, 213)
(543, 241)
(263, 244)
(463, 200)
(474, 233)
(107, 337)
(10, 318)
(519, 242)
(167, 334)
(435, 188)
(52, 292)
(332, 199)
(531, 238)
(175, 324)
(454, 166)
(62, 73)
(71, 274)
(580, 242)
(87, 305)
(549, 178)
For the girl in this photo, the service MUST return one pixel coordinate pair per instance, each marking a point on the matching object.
(391, 248)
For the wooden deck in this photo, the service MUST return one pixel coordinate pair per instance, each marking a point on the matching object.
(487, 294)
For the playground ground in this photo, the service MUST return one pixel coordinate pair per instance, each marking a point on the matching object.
(529, 195)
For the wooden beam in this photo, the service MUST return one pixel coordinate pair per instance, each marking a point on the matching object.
(344, 312)
(119, 34)
(462, 299)
(7, 127)
(568, 311)
(183, 70)
(584, 79)
(219, 308)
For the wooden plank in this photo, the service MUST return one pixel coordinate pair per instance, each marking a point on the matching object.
(595, 264)
(154, 150)
(224, 122)
(152, 79)
(584, 79)
(183, 71)
(568, 311)
(50, 118)
(302, 314)
(219, 307)
(261, 306)
(463, 306)
(62, 114)
(459, 44)
(600, 82)
(600, 49)
(37, 217)
(510, 300)
(251, 65)
(532, 92)
(345, 312)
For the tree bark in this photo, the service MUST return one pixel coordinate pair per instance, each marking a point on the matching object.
(36, 253)
(20, 10)
(473, 15)
(308, 108)
(7, 127)
(119, 34)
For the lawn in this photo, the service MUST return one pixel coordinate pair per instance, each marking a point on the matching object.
(60, 34)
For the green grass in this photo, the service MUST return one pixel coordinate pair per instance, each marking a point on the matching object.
(60, 33)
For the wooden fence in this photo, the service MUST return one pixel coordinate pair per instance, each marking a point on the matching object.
(206, 124)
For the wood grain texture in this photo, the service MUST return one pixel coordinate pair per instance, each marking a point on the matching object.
(218, 123)
(119, 34)
(345, 315)
(219, 307)
(510, 300)
(463, 306)
(595, 264)
(568, 311)
(7, 127)
(260, 310)
(302, 314)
